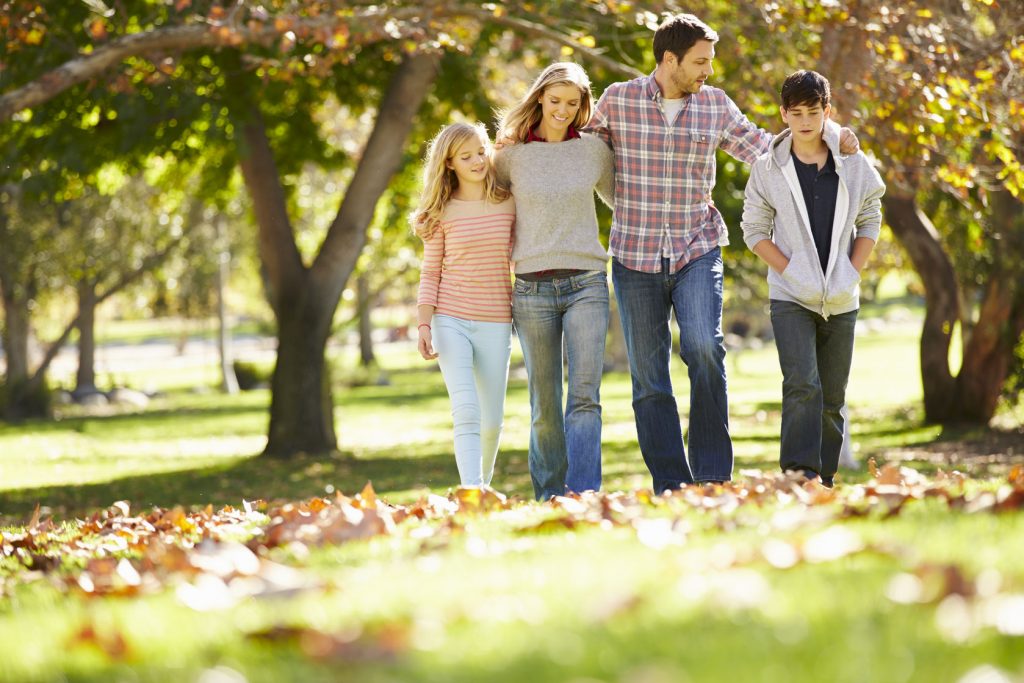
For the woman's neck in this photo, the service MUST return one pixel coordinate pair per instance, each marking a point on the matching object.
(551, 135)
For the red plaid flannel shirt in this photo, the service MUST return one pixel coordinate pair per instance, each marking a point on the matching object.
(664, 174)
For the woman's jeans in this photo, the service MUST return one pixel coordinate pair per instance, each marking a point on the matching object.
(474, 363)
(815, 355)
(647, 302)
(565, 451)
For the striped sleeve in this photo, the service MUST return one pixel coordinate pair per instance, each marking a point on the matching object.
(430, 272)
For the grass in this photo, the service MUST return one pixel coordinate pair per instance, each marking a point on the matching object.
(494, 597)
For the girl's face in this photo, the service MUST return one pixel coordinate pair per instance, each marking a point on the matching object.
(559, 105)
(470, 161)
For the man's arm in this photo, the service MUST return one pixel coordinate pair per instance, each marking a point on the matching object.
(741, 139)
(600, 123)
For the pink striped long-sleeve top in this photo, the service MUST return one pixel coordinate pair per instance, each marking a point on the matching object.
(465, 272)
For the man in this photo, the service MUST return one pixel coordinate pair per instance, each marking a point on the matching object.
(666, 243)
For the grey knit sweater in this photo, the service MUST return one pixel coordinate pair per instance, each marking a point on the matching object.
(553, 184)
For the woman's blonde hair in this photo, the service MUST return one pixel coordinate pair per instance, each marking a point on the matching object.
(440, 181)
(517, 122)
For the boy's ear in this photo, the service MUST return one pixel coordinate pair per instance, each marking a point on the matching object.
(782, 111)
(827, 111)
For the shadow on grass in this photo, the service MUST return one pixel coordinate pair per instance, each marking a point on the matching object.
(261, 477)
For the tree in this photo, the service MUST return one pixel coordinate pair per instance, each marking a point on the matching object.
(935, 90)
(271, 71)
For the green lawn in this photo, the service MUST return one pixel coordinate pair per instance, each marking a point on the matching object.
(753, 582)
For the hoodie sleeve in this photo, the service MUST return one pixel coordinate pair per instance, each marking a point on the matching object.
(869, 217)
(758, 220)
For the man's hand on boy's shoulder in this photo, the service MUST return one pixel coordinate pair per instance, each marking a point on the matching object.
(848, 142)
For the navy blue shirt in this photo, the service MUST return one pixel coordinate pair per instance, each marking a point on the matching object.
(820, 188)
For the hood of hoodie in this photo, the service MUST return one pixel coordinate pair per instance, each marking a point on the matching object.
(783, 144)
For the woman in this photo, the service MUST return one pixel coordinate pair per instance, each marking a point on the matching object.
(560, 296)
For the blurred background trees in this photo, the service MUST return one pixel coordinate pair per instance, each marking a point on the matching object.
(147, 133)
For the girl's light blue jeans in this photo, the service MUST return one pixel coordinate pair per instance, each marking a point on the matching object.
(473, 357)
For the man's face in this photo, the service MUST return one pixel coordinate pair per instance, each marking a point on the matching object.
(806, 120)
(694, 68)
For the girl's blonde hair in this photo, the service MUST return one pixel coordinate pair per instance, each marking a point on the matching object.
(517, 122)
(440, 181)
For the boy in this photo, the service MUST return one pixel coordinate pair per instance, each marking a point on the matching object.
(813, 216)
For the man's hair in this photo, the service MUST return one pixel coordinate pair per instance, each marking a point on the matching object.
(806, 88)
(679, 33)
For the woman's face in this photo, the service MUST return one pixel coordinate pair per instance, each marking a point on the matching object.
(470, 161)
(559, 105)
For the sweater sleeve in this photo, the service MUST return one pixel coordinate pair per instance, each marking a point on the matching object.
(869, 218)
(430, 271)
(758, 213)
(606, 183)
(501, 167)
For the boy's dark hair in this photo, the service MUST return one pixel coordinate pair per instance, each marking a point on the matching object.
(679, 33)
(806, 88)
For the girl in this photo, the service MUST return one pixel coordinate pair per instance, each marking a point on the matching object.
(465, 319)
(561, 287)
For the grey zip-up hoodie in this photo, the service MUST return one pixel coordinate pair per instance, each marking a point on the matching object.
(774, 208)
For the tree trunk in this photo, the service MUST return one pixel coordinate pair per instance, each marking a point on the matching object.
(304, 299)
(85, 378)
(988, 353)
(228, 381)
(301, 404)
(364, 311)
(15, 336)
(942, 303)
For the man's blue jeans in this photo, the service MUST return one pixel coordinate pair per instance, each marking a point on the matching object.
(565, 451)
(815, 355)
(646, 303)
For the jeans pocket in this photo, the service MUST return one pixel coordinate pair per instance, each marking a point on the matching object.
(523, 287)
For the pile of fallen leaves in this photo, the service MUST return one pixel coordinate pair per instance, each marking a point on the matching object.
(212, 559)
(216, 557)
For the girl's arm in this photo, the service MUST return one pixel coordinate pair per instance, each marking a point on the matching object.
(424, 314)
(426, 300)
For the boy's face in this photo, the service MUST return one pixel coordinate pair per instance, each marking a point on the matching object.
(806, 120)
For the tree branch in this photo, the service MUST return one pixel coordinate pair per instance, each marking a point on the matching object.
(373, 25)
(125, 280)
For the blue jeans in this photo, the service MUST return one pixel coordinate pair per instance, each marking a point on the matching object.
(473, 357)
(815, 356)
(646, 303)
(565, 452)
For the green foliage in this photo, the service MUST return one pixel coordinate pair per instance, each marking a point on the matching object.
(251, 375)
(22, 400)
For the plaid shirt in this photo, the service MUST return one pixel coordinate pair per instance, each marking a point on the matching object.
(664, 174)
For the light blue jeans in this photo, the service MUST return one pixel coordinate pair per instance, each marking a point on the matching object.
(565, 451)
(473, 357)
